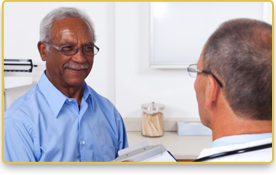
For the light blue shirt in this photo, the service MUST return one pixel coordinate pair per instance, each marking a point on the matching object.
(44, 125)
(239, 139)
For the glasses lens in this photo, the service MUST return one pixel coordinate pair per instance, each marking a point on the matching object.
(72, 50)
(69, 50)
(88, 50)
(96, 50)
(192, 69)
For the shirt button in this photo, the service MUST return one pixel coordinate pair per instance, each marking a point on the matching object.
(69, 100)
(83, 142)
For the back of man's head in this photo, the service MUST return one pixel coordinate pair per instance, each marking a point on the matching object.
(239, 53)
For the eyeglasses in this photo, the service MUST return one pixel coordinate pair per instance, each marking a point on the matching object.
(192, 69)
(70, 50)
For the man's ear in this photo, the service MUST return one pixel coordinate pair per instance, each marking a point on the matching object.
(42, 50)
(211, 94)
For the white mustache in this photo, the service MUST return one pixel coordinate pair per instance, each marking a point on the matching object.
(78, 66)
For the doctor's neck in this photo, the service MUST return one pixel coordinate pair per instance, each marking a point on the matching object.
(224, 122)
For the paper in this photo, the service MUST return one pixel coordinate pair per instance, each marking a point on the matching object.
(164, 157)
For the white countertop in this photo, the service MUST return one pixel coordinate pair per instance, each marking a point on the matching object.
(181, 147)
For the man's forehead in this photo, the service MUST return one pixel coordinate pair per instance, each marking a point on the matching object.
(69, 21)
(200, 60)
(70, 42)
(69, 25)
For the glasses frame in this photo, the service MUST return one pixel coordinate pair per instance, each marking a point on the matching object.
(195, 70)
(77, 50)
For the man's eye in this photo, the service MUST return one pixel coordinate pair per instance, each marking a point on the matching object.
(68, 48)
(88, 48)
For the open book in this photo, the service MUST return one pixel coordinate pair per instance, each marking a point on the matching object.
(144, 153)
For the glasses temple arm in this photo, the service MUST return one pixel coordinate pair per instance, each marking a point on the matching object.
(219, 82)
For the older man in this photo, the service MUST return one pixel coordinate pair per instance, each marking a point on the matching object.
(234, 91)
(61, 118)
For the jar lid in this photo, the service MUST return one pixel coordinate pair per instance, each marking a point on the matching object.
(152, 106)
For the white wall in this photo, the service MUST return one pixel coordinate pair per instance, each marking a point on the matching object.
(121, 70)
(136, 82)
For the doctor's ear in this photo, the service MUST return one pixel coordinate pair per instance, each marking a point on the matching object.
(42, 50)
(212, 91)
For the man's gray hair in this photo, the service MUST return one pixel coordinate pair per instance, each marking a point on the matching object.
(239, 53)
(58, 14)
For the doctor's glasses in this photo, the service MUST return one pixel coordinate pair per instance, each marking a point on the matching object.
(192, 69)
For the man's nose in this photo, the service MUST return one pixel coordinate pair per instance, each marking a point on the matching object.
(79, 57)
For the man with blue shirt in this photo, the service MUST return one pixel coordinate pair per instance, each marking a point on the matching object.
(234, 92)
(62, 119)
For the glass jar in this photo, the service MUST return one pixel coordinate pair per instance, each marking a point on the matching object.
(152, 119)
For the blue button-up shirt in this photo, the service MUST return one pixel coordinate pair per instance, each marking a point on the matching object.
(44, 125)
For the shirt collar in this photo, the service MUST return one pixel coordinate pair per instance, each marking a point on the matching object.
(54, 97)
(239, 139)
(86, 92)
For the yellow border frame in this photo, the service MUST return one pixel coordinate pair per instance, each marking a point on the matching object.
(2, 90)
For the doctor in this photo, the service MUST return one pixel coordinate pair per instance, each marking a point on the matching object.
(234, 92)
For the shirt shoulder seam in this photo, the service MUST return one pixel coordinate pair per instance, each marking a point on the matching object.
(22, 102)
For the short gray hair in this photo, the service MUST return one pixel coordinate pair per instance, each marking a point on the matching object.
(58, 14)
(239, 53)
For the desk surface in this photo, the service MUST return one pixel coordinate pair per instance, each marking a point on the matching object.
(181, 147)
